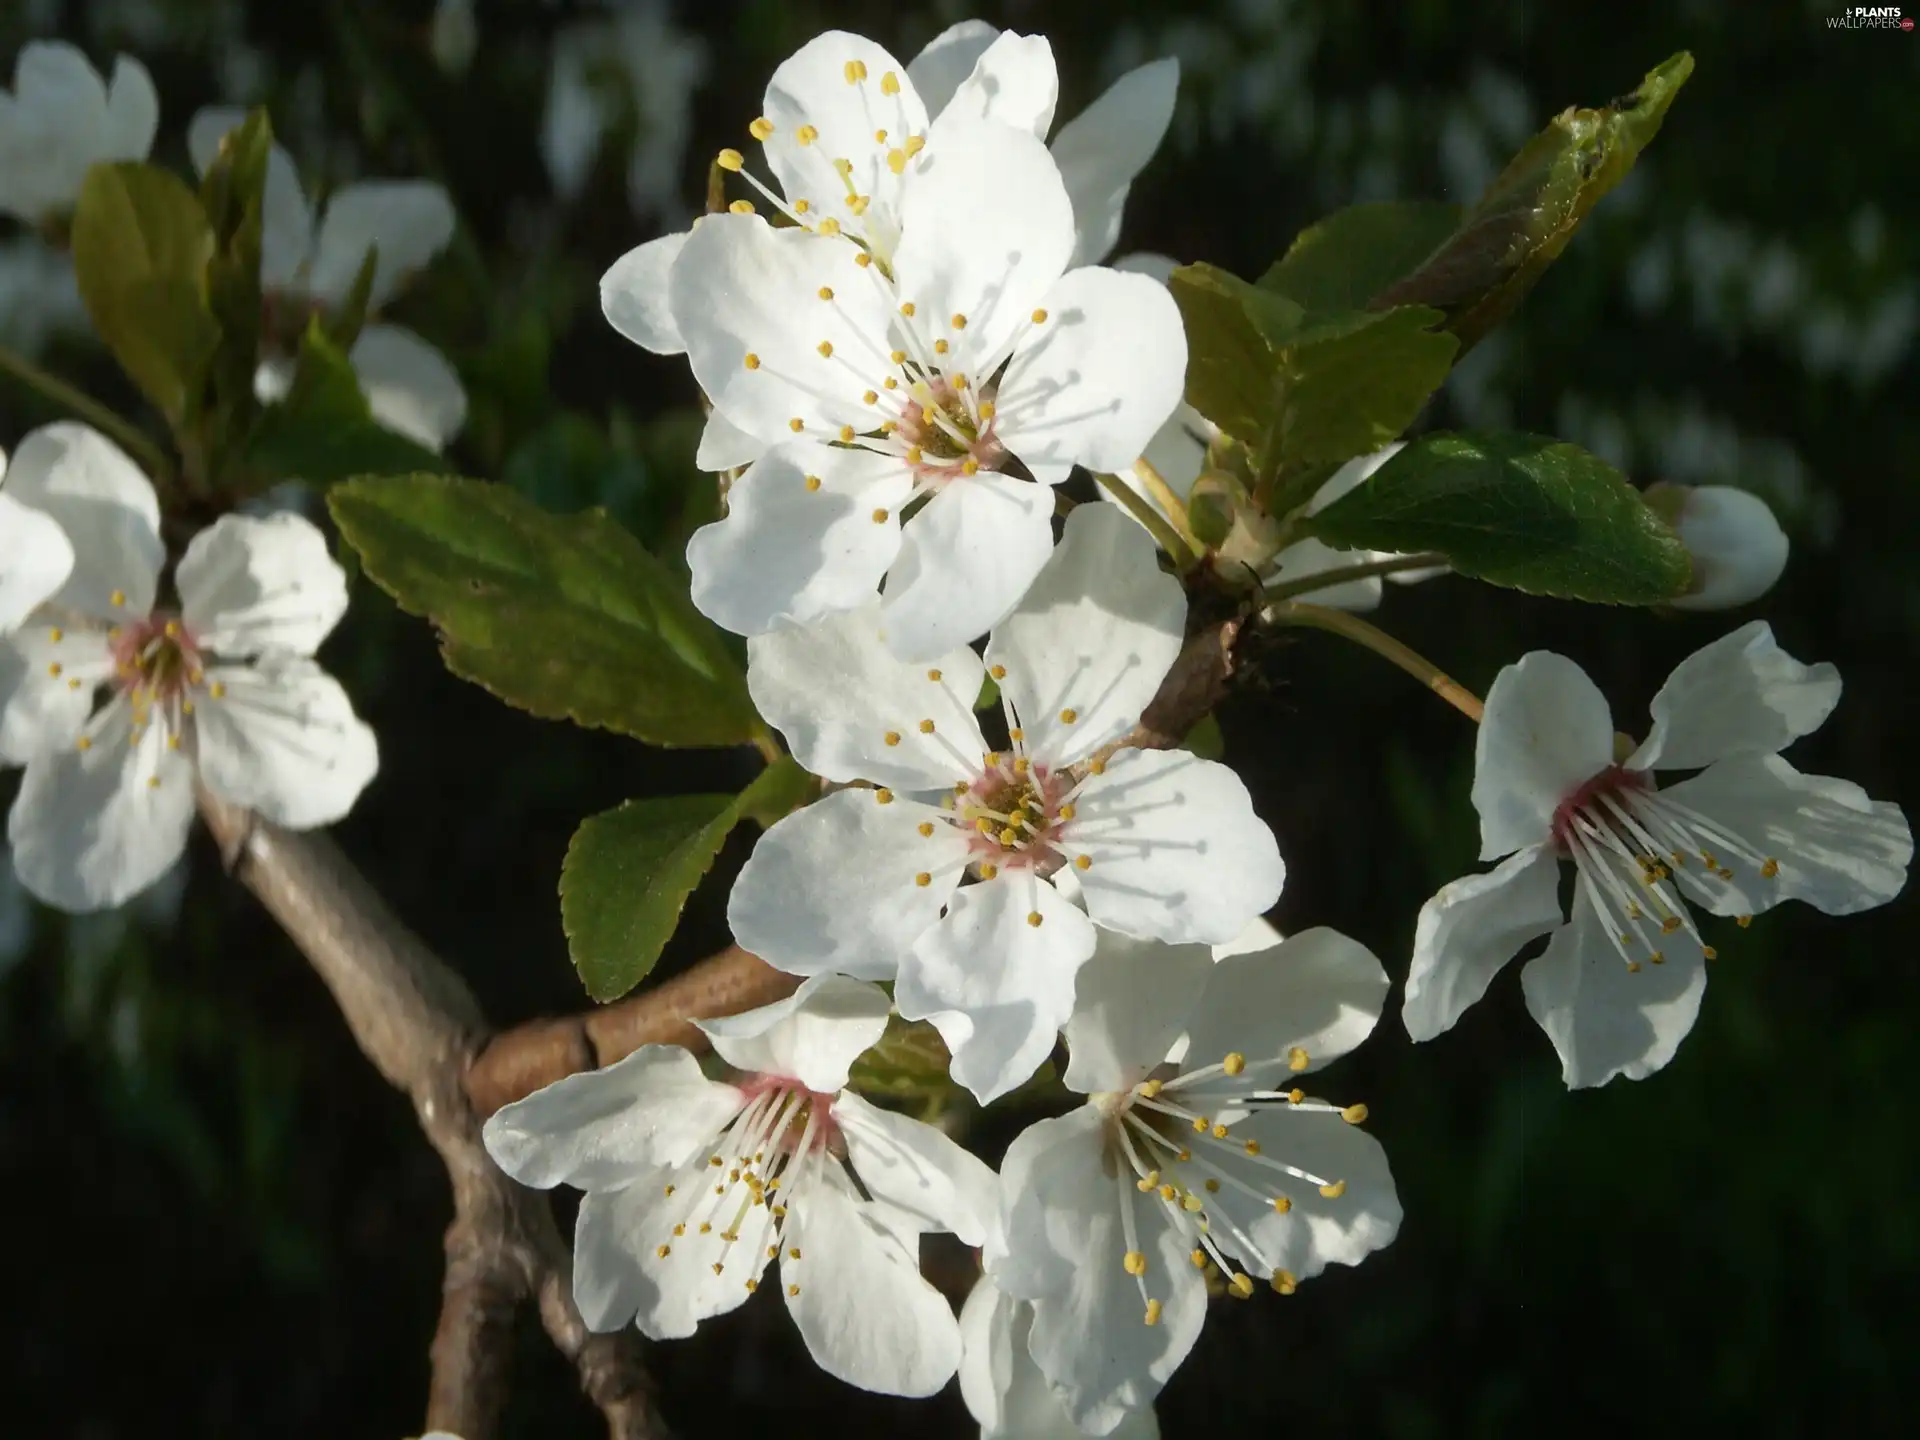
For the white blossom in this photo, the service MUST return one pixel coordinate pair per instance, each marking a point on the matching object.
(61, 118)
(1004, 1390)
(1156, 843)
(222, 692)
(1737, 547)
(1115, 1215)
(308, 265)
(1620, 982)
(693, 1186)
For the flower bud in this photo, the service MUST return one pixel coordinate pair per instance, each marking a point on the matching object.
(1738, 548)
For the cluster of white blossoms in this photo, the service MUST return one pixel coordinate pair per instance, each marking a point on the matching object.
(118, 704)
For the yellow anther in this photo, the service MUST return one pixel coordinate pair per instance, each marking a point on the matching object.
(897, 161)
(1009, 836)
(706, 1227)
(1067, 812)
(54, 669)
(923, 879)
(1234, 1063)
(83, 743)
(990, 760)
(926, 829)
(1153, 1312)
(855, 71)
(1335, 1190)
(56, 634)
(828, 226)
(926, 727)
(119, 597)
(1241, 1287)
(793, 1290)
(825, 347)
(1135, 1262)
(813, 482)
(1169, 1193)
(939, 347)
(959, 382)
(1354, 1114)
(999, 672)
(1284, 1283)
(806, 134)
(987, 872)
(794, 1252)
(1658, 957)
(773, 1252)
(668, 1192)
(870, 397)
(1098, 767)
(1147, 1182)
(885, 797)
(1281, 1204)
(1770, 869)
(153, 782)
(752, 361)
(1633, 967)
(858, 203)
(761, 129)
(1069, 715)
(1199, 1259)
(800, 207)
(217, 690)
(959, 321)
(915, 144)
(715, 1161)
(1707, 952)
(969, 466)
(913, 455)
(1212, 1188)
(862, 259)
(1034, 917)
(890, 83)
(796, 424)
(906, 309)
(741, 207)
(899, 357)
(1039, 317)
(730, 160)
(173, 629)
(173, 742)
(1083, 862)
(1147, 1089)
(664, 1251)
(879, 137)
(1297, 1059)
(934, 675)
(1670, 924)
(846, 434)
(987, 411)
(1219, 1130)
(718, 1268)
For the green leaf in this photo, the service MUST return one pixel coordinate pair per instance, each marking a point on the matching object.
(323, 431)
(1205, 739)
(1532, 208)
(231, 195)
(1352, 383)
(1522, 511)
(1352, 255)
(566, 616)
(909, 1063)
(141, 244)
(777, 792)
(1230, 368)
(626, 878)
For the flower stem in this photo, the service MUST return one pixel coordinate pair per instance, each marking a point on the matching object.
(1327, 579)
(768, 747)
(1183, 558)
(123, 432)
(1352, 627)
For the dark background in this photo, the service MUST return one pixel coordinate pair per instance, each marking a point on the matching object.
(221, 1222)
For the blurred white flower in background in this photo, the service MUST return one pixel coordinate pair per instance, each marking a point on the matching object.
(61, 118)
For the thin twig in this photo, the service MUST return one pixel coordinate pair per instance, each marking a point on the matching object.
(1327, 579)
(420, 1025)
(1352, 627)
(122, 432)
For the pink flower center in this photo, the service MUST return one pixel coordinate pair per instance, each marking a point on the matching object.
(774, 1094)
(1013, 814)
(156, 659)
(1615, 780)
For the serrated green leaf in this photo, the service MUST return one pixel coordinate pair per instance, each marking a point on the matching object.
(566, 616)
(1530, 211)
(1523, 511)
(1345, 260)
(626, 878)
(1350, 384)
(1230, 370)
(323, 431)
(141, 244)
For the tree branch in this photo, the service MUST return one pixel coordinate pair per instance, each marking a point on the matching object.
(420, 1025)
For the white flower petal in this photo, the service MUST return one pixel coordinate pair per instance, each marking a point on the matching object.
(832, 886)
(409, 385)
(813, 1036)
(742, 288)
(1604, 1019)
(948, 59)
(604, 1129)
(994, 984)
(38, 709)
(1740, 695)
(1094, 383)
(283, 741)
(857, 1296)
(249, 584)
(1177, 852)
(408, 221)
(1260, 934)
(850, 711)
(992, 263)
(607, 1286)
(1546, 732)
(104, 502)
(92, 828)
(52, 128)
(1317, 991)
(799, 540)
(633, 295)
(1131, 1002)
(725, 446)
(1065, 1247)
(621, 1276)
(1093, 638)
(133, 111)
(1470, 929)
(1351, 476)
(1004, 1389)
(811, 87)
(35, 560)
(286, 221)
(965, 560)
(1738, 548)
(1305, 558)
(1835, 848)
(1014, 82)
(918, 1170)
(1316, 1231)
(1105, 146)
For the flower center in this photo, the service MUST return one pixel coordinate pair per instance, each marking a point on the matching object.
(1631, 844)
(156, 660)
(763, 1160)
(1170, 1139)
